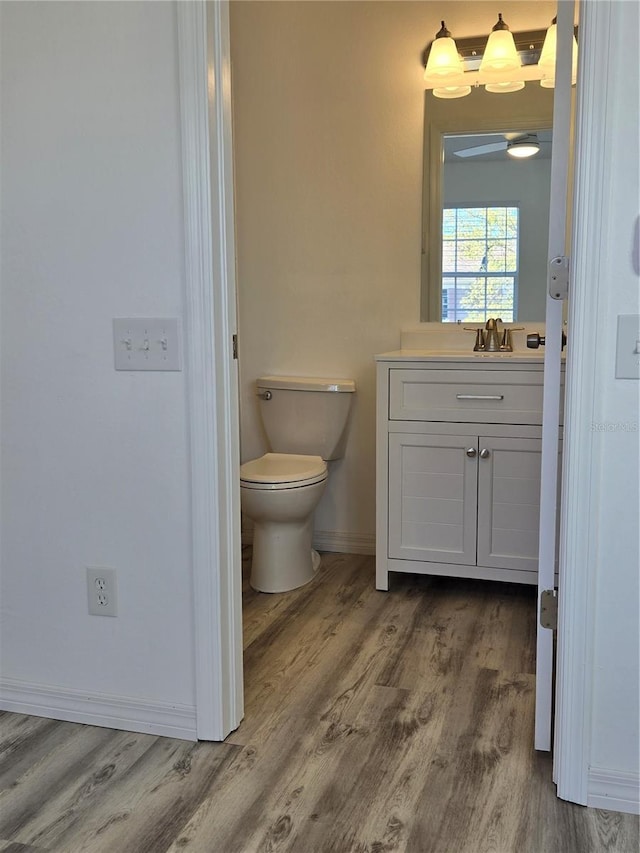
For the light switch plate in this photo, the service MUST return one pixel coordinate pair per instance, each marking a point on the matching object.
(147, 343)
(628, 347)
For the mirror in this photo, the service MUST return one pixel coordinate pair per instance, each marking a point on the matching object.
(494, 208)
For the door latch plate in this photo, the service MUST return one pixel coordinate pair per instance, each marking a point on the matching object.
(549, 609)
(558, 277)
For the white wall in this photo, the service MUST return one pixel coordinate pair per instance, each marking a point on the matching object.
(527, 183)
(328, 127)
(94, 462)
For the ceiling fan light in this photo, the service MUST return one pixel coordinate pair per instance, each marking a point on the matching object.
(444, 60)
(523, 148)
(451, 92)
(514, 86)
(500, 54)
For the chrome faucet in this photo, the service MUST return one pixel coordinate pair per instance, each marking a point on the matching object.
(494, 337)
(507, 341)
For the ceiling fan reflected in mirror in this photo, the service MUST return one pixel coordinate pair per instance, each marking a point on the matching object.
(516, 145)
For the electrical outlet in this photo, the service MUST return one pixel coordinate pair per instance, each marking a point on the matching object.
(102, 592)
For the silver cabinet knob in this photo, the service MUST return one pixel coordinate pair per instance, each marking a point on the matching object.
(471, 452)
(484, 453)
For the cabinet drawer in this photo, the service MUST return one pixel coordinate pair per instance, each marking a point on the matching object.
(486, 396)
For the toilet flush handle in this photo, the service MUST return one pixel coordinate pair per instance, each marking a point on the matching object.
(266, 395)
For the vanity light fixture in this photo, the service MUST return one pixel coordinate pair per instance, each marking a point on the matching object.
(500, 54)
(444, 69)
(507, 86)
(444, 63)
(451, 91)
(547, 61)
(525, 146)
(503, 63)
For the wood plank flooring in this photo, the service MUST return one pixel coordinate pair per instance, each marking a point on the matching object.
(397, 722)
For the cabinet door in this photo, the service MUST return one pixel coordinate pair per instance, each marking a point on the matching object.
(509, 502)
(432, 497)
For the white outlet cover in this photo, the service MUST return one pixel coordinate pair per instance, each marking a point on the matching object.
(147, 343)
(102, 591)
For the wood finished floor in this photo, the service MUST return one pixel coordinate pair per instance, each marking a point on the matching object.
(375, 722)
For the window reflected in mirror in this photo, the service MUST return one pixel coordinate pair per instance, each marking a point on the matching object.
(480, 263)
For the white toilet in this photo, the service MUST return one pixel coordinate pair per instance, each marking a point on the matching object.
(305, 420)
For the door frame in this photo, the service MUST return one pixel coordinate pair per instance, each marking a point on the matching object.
(204, 66)
(204, 59)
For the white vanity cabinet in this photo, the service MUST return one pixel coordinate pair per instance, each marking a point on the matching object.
(458, 467)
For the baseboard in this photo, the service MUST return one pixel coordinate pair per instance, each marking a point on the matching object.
(114, 712)
(344, 543)
(613, 790)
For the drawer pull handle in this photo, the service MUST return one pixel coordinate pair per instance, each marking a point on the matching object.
(471, 452)
(484, 453)
(479, 396)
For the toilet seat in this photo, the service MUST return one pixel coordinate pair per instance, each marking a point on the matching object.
(276, 471)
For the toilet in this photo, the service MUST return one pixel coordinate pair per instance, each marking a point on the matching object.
(305, 420)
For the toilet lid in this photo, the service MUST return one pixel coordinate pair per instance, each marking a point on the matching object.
(275, 469)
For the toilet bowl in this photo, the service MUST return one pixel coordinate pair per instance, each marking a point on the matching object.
(279, 492)
(305, 420)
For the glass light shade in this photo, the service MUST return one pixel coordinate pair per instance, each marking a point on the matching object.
(500, 53)
(451, 91)
(574, 62)
(514, 86)
(522, 150)
(547, 61)
(444, 61)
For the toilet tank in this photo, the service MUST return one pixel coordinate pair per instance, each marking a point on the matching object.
(306, 415)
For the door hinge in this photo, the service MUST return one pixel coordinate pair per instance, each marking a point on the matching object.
(549, 609)
(558, 277)
(235, 346)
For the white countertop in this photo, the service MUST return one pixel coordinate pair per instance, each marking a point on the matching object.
(432, 355)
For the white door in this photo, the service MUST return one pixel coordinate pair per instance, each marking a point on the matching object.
(560, 160)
